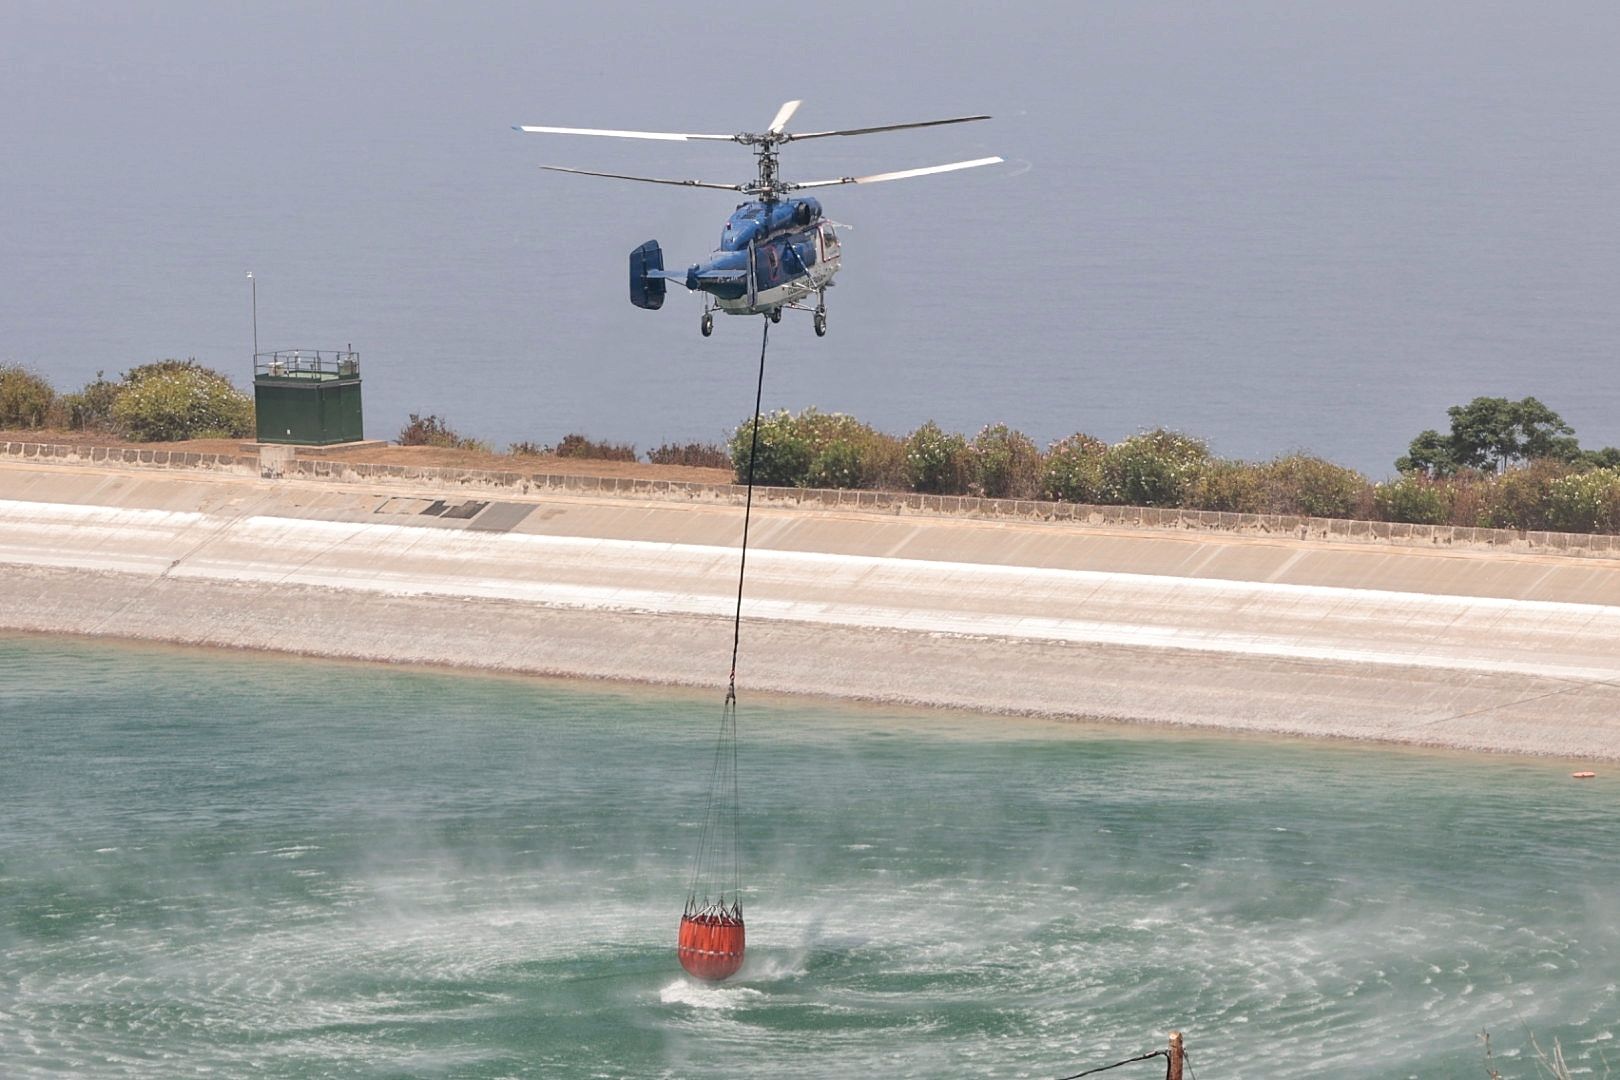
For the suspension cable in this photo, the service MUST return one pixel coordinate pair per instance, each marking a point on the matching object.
(716, 807)
(748, 511)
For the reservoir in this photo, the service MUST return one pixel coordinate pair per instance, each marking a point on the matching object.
(237, 864)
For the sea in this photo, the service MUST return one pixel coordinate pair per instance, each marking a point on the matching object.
(227, 864)
(1277, 226)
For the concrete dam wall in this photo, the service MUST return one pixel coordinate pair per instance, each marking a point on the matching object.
(1470, 646)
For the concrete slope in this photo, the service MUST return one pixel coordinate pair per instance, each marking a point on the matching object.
(1475, 649)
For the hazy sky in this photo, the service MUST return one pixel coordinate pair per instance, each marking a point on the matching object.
(1277, 225)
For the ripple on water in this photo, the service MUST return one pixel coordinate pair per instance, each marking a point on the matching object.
(497, 893)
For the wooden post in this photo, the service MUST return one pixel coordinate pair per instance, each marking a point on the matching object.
(1174, 1071)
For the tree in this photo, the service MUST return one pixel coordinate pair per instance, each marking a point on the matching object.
(1431, 452)
(1606, 458)
(1492, 433)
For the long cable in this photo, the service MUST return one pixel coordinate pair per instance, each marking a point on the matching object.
(748, 511)
(728, 715)
(736, 631)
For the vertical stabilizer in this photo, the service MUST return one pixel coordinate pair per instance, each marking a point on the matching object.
(646, 289)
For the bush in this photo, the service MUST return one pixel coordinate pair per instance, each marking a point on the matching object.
(578, 446)
(1006, 464)
(180, 399)
(836, 465)
(1585, 502)
(883, 461)
(816, 449)
(527, 449)
(91, 409)
(781, 454)
(1302, 484)
(1154, 468)
(433, 430)
(1233, 487)
(1415, 498)
(26, 400)
(701, 455)
(1073, 470)
(937, 462)
(1519, 498)
(856, 456)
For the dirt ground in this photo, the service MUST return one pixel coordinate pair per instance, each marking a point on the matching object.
(407, 455)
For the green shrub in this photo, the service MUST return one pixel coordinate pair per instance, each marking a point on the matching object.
(91, 409)
(180, 399)
(525, 448)
(1234, 487)
(938, 462)
(1307, 485)
(1415, 498)
(836, 465)
(1154, 468)
(1073, 471)
(578, 446)
(1519, 498)
(433, 430)
(1585, 502)
(856, 456)
(817, 449)
(781, 456)
(883, 461)
(26, 400)
(701, 455)
(1006, 464)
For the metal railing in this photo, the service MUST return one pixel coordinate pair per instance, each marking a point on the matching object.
(307, 364)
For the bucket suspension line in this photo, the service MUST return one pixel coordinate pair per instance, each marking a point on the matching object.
(748, 510)
(712, 936)
(716, 884)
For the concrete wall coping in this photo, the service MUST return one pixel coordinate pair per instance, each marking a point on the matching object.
(278, 465)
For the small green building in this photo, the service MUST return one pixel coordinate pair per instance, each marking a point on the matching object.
(307, 397)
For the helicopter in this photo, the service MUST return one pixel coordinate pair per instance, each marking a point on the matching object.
(777, 250)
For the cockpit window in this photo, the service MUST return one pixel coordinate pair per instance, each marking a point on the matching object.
(829, 240)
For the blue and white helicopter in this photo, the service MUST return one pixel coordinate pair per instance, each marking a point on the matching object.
(776, 250)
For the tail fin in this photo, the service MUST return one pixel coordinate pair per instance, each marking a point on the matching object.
(647, 289)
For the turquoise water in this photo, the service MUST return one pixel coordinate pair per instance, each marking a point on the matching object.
(237, 864)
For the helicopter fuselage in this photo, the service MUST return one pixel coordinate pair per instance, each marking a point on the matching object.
(770, 254)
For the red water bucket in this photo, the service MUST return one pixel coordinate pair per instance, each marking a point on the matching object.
(711, 946)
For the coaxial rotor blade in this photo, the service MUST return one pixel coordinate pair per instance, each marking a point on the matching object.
(645, 179)
(883, 127)
(783, 115)
(904, 174)
(667, 136)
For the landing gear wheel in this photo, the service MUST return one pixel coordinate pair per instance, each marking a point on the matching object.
(707, 325)
(821, 323)
(776, 315)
